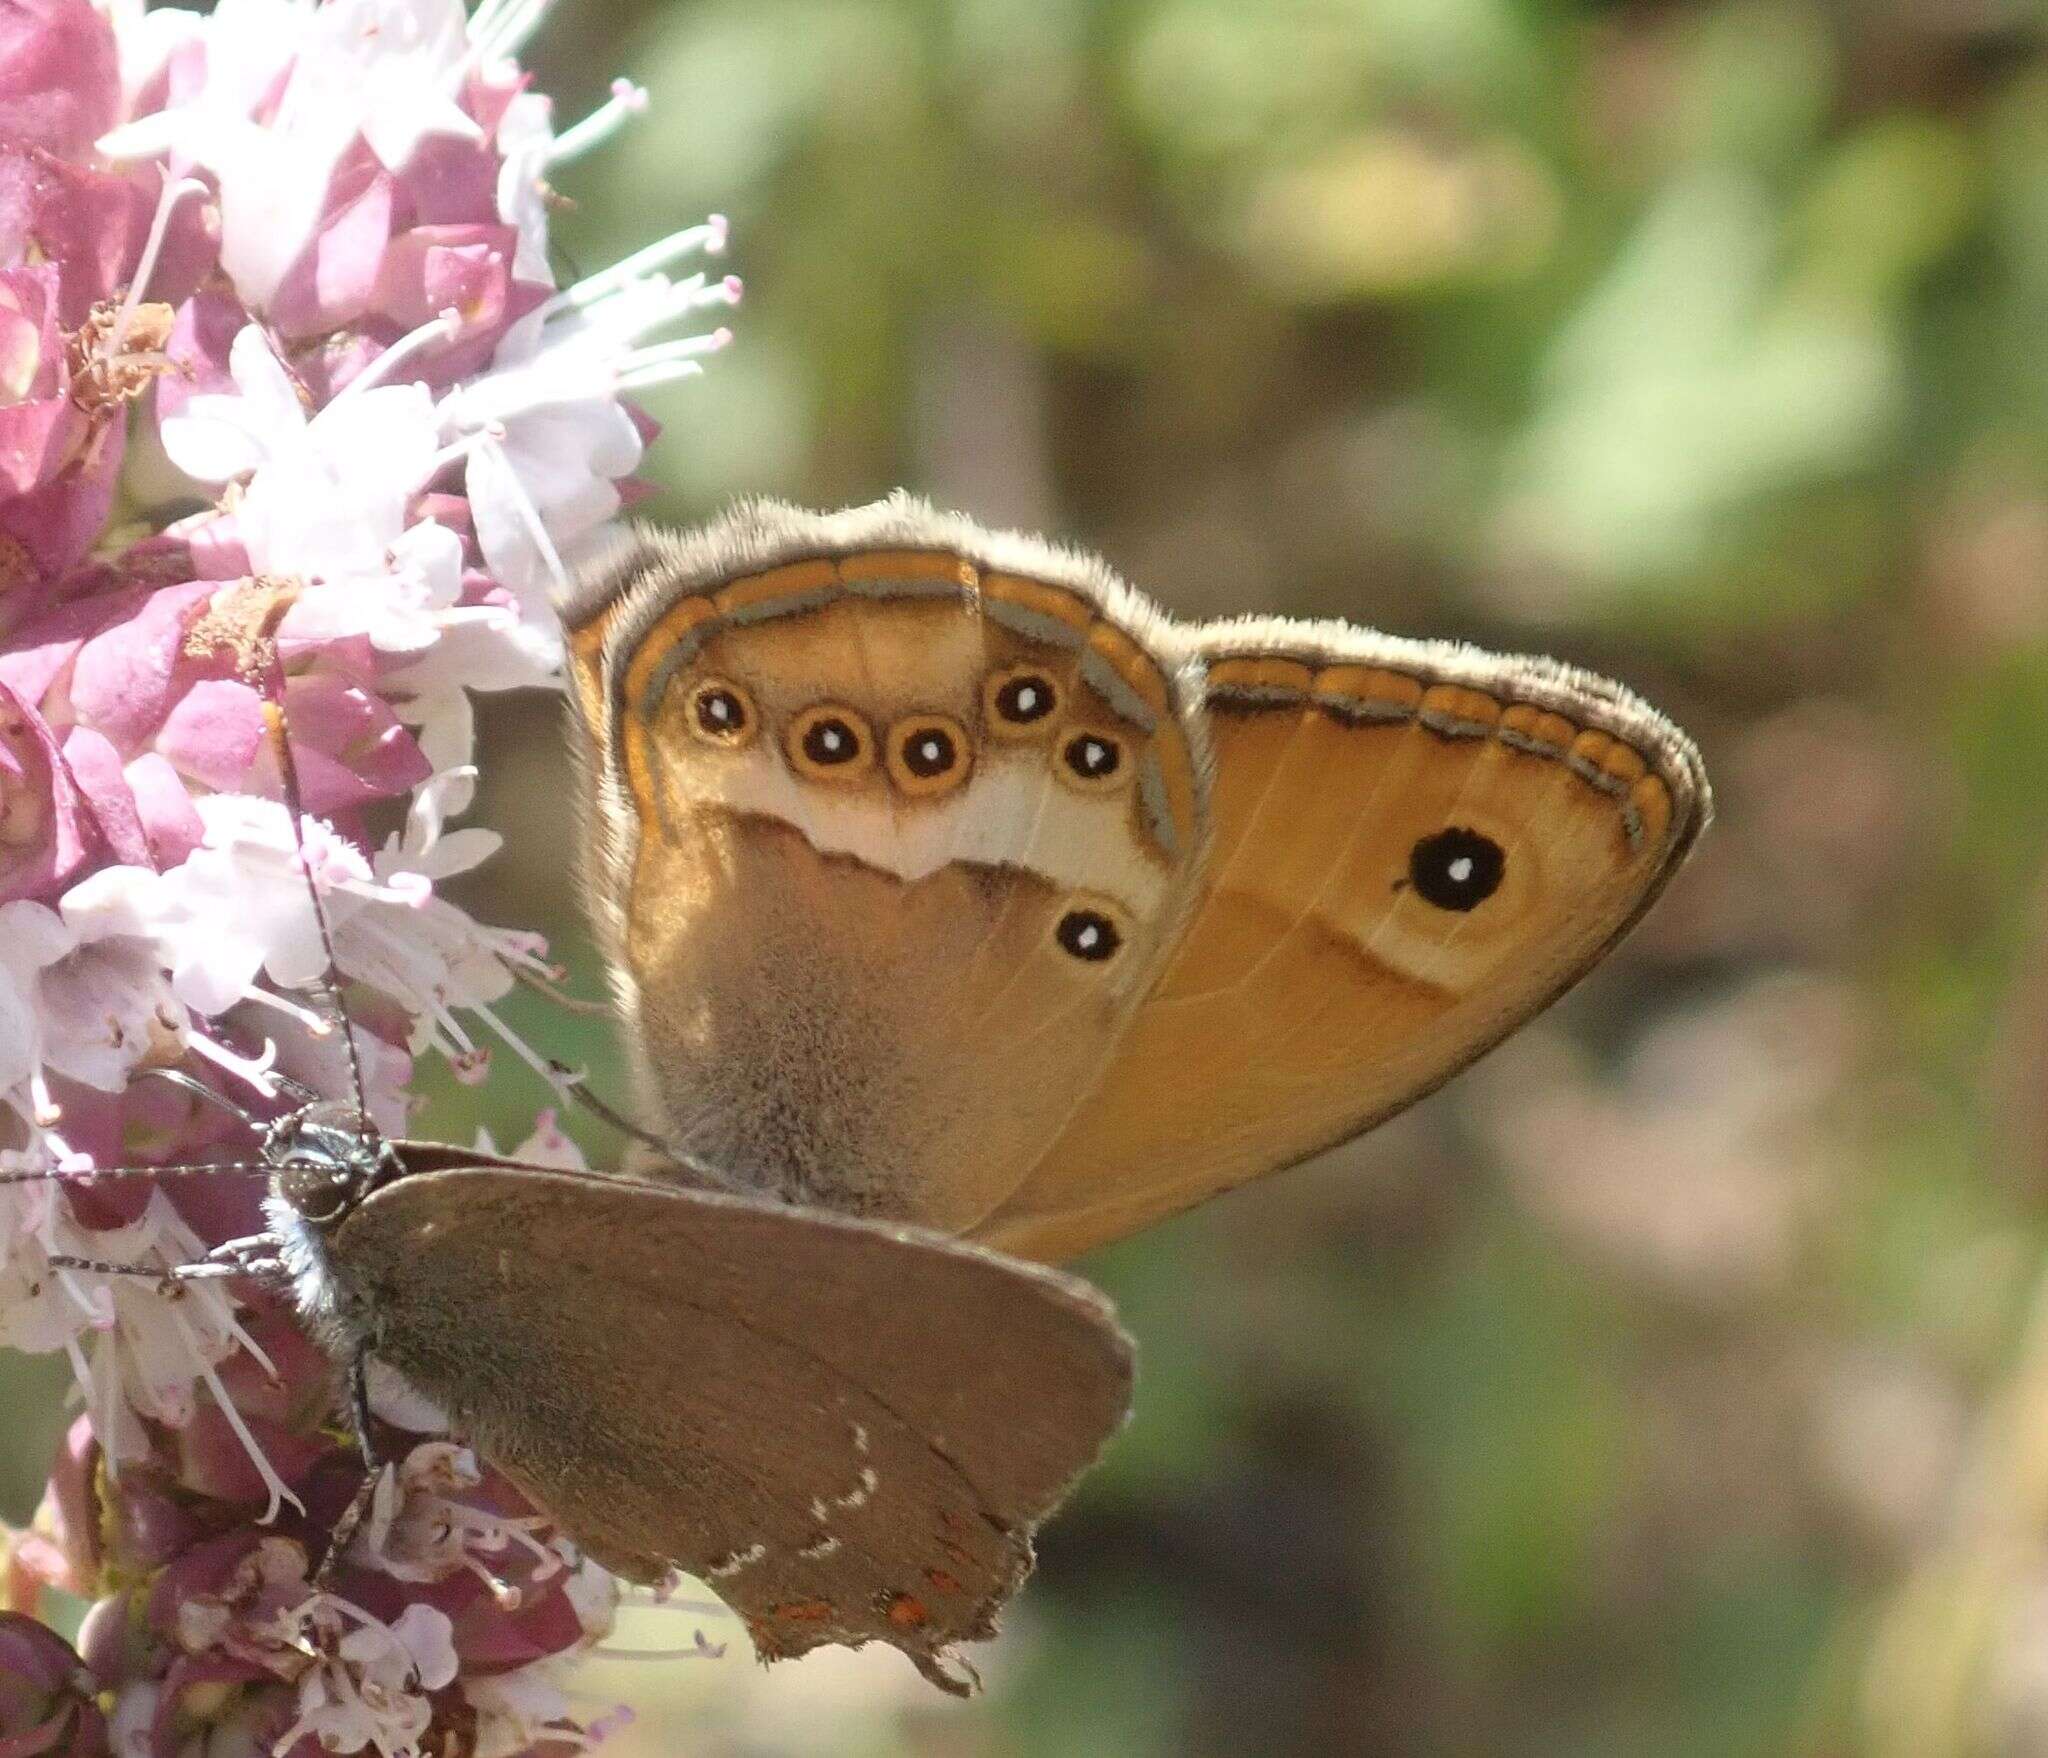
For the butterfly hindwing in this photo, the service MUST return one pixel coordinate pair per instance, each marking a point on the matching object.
(847, 1431)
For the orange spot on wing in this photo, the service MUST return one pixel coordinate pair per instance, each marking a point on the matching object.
(906, 1611)
(804, 1611)
(944, 1582)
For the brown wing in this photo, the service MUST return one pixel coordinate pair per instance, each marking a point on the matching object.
(847, 1431)
(1415, 847)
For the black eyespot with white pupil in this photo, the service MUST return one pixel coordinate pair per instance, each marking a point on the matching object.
(929, 752)
(830, 741)
(1092, 757)
(1025, 699)
(721, 713)
(1089, 935)
(1456, 869)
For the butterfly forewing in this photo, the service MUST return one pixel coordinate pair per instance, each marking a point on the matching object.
(848, 1431)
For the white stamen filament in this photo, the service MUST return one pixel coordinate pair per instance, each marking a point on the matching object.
(529, 515)
(709, 238)
(687, 348)
(305, 1018)
(521, 1048)
(152, 248)
(499, 27)
(254, 1071)
(278, 1490)
(627, 101)
(444, 328)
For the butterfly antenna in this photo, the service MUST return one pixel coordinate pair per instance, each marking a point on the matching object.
(295, 809)
(177, 1077)
(576, 1086)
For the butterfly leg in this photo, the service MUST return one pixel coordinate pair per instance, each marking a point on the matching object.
(253, 1257)
(358, 1508)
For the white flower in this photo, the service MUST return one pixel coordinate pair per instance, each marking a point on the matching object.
(548, 436)
(420, 1530)
(396, 64)
(82, 994)
(548, 1145)
(387, 72)
(30, 937)
(147, 1352)
(106, 1002)
(513, 1710)
(327, 497)
(401, 608)
(368, 1689)
(526, 136)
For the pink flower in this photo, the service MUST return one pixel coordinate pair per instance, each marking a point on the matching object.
(60, 80)
(398, 427)
(46, 1695)
(43, 824)
(41, 428)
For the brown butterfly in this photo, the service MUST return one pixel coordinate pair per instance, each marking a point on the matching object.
(849, 1431)
(945, 879)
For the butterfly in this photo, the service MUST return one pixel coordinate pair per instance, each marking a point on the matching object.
(945, 879)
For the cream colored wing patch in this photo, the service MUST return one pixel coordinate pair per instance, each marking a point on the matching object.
(901, 822)
(1415, 848)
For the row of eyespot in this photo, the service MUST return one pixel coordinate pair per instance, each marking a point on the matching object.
(925, 753)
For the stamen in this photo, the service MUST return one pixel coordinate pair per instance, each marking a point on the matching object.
(688, 348)
(254, 1070)
(314, 1024)
(279, 1490)
(437, 330)
(652, 378)
(627, 101)
(526, 1053)
(709, 238)
(501, 29)
(152, 248)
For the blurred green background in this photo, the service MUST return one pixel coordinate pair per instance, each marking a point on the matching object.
(1672, 1382)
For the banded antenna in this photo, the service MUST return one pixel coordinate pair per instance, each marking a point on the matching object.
(329, 980)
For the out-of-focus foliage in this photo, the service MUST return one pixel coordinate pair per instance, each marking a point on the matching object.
(1675, 1381)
